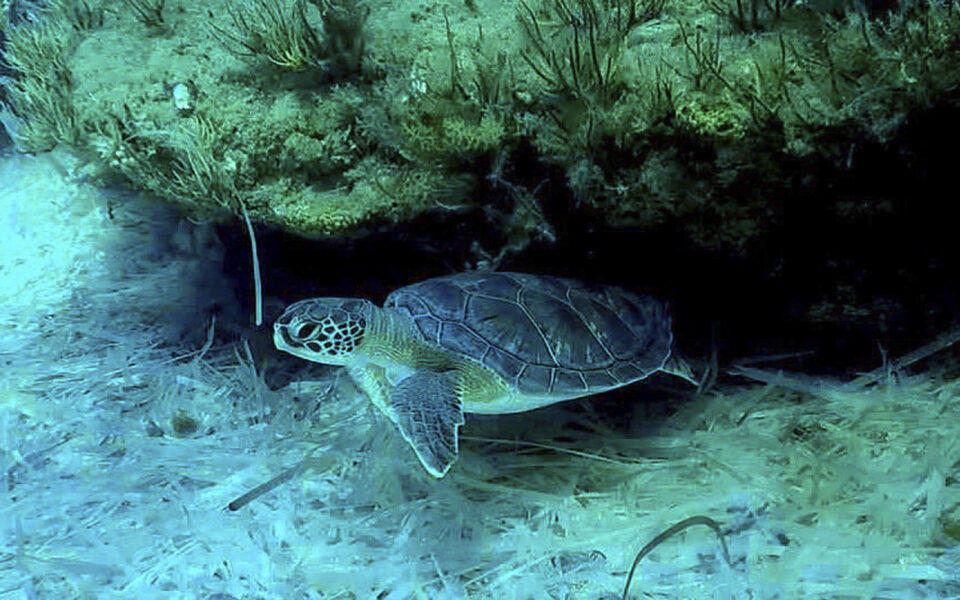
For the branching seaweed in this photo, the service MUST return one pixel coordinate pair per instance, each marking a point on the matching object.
(579, 50)
(83, 15)
(41, 90)
(482, 82)
(50, 114)
(576, 45)
(279, 32)
(148, 12)
(751, 15)
(708, 65)
(269, 30)
(187, 165)
(36, 51)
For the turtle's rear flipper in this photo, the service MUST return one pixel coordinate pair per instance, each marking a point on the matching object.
(428, 411)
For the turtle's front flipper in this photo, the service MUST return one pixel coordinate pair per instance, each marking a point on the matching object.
(427, 409)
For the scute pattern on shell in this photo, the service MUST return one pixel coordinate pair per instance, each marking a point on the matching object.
(544, 335)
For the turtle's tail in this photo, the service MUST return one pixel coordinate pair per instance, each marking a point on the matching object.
(677, 365)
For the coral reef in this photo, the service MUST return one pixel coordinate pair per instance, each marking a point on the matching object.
(331, 117)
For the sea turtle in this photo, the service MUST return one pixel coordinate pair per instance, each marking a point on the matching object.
(482, 342)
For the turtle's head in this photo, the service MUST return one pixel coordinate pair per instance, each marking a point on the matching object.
(323, 330)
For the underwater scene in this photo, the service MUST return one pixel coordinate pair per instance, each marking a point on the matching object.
(479, 299)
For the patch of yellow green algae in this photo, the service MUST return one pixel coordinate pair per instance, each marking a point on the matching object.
(335, 116)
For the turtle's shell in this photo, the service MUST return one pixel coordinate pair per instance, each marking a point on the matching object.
(543, 335)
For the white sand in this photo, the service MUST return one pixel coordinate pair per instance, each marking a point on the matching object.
(822, 493)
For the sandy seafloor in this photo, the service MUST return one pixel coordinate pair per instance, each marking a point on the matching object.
(123, 437)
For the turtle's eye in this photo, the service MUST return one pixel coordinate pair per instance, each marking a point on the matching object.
(306, 331)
